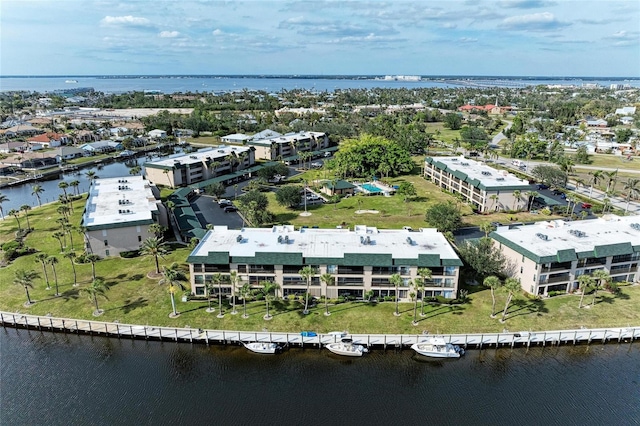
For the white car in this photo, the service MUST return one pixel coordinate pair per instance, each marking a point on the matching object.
(316, 164)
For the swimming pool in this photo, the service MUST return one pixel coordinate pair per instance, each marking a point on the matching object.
(370, 188)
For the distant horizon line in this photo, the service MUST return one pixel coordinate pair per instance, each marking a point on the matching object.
(328, 76)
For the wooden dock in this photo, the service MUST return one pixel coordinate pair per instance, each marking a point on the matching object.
(399, 341)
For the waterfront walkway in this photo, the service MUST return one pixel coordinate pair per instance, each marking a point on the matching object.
(186, 334)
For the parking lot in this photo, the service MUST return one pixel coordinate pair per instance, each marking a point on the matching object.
(208, 212)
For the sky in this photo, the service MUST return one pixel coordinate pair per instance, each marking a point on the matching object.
(208, 37)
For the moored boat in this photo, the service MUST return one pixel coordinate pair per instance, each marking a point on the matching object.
(263, 347)
(346, 347)
(436, 347)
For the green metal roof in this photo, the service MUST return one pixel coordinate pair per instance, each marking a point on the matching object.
(567, 255)
(613, 249)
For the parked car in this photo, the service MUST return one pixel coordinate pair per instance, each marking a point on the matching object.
(316, 164)
(327, 154)
(586, 205)
(557, 192)
(224, 203)
(543, 186)
(230, 209)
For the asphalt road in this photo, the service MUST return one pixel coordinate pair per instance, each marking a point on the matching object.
(208, 212)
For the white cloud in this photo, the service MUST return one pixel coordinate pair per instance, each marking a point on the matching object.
(543, 21)
(468, 40)
(125, 20)
(168, 34)
(217, 32)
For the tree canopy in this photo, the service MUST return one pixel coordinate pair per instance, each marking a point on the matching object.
(445, 217)
(369, 155)
(483, 257)
(289, 196)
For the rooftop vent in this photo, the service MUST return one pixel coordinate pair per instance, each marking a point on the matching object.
(239, 238)
(635, 226)
(193, 157)
(543, 237)
(409, 241)
(464, 164)
(486, 173)
(577, 233)
(499, 178)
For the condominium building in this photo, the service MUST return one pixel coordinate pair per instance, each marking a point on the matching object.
(118, 214)
(486, 188)
(288, 145)
(359, 260)
(206, 163)
(550, 256)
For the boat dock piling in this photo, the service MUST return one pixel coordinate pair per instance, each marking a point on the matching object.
(398, 341)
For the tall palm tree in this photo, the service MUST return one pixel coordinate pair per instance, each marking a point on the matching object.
(97, 288)
(600, 276)
(92, 258)
(234, 279)
(3, 199)
(425, 275)
(307, 273)
(209, 288)
(396, 280)
(68, 228)
(631, 186)
(63, 185)
(53, 261)
(596, 176)
(42, 258)
(245, 291)
(25, 279)
(15, 213)
(486, 227)
(328, 280)
(166, 172)
(37, 190)
(586, 282)
(611, 179)
(213, 168)
(217, 279)
(512, 286)
(58, 236)
(493, 283)
(153, 247)
(71, 255)
(172, 277)
(517, 196)
(268, 288)
(494, 198)
(25, 208)
(91, 176)
(532, 195)
(75, 184)
(417, 283)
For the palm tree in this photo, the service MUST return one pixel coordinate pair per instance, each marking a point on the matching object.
(595, 178)
(268, 287)
(217, 279)
(234, 279)
(25, 279)
(417, 284)
(14, 213)
(37, 190)
(68, 228)
(494, 198)
(517, 196)
(25, 208)
(512, 286)
(245, 291)
(611, 179)
(42, 258)
(153, 247)
(135, 170)
(631, 186)
(71, 255)
(425, 275)
(493, 283)
(213, 168)
(53, 261)
(157, 230)
(328, 280)
(58, 236)
(97, 288)
(74, 184)
(63, 185)
(600, 277)
(209, 288)
(92, 258)
(91, 176)
(306, 273)
(3, 199)
(172, 277)
(166, 172)
(486, 227)
(532, 195)
(396, 280)
(585, 281)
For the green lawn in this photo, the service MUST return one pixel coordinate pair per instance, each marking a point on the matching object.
(612, 161)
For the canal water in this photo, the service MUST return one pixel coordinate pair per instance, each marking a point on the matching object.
(62, 379)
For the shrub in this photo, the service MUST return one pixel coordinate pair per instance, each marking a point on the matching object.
(130, 254)
(555, 293)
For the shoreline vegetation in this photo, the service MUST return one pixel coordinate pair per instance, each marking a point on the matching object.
(133, 296)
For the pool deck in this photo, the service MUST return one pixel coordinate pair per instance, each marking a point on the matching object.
(191, 335)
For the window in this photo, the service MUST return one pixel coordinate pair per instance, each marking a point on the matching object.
(450, 270)
(106, 243)
(198, 279)
(199, 291)
(139, 238)
(521, 269)
(104, 232)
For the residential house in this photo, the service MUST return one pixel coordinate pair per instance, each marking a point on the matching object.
(68, 153)
(157, 134)
(49, 140)
(338, 187)
(101, 147)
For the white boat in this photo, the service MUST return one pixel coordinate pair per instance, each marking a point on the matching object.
(337, 333)
(436, 347)
(347, 348)
(71, 81)
(263, 347)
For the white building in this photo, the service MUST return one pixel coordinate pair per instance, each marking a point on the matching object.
(118, 214)
(206, 163)
(550, 256)
(360, 260)
(486, 188)
(289, 145)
